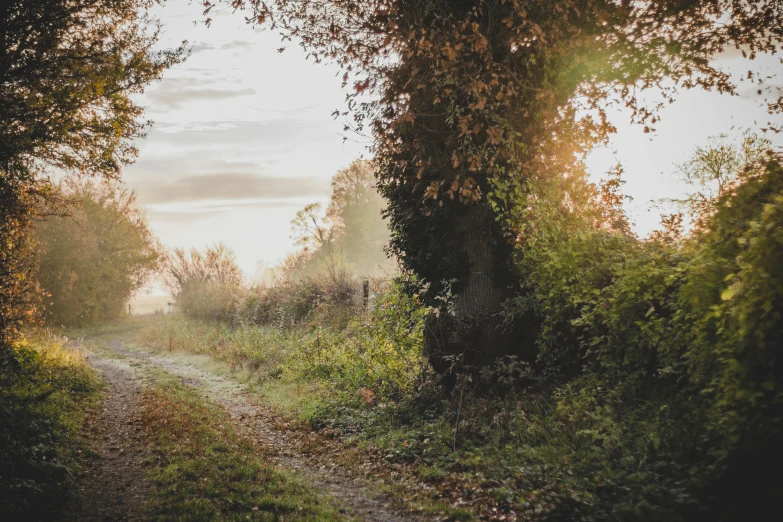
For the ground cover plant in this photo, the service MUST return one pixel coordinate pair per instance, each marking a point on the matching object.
(44, 395)
(203, 469)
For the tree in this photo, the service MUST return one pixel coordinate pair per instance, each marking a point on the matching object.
(719, 167)
(356, 209)
(485, 108)
(314, 234)
(350, 235)
(94, 258)
(68, 70)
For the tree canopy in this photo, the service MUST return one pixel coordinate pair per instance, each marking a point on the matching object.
(482, 111)
(92, 259)
(68, 70)
(349, 235)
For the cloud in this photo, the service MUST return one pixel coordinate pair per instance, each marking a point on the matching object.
(228, 188)
(192, 162)
(174, 95)
(185, 213)
(279, 134)
(201, 47)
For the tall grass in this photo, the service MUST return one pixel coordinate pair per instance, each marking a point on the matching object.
(255, 348)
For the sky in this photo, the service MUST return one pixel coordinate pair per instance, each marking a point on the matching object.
(244, 137)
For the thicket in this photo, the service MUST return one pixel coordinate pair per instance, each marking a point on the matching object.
(94, 251)
(207, 284)
(329, 300)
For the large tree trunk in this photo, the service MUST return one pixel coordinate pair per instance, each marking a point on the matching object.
(472, 331)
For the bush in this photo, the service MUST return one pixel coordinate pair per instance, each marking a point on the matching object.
(205, 285)
(664, 355)
(45, 388)
(323, 300)
(379, 355)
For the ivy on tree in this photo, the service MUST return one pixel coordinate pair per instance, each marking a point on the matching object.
(482, 111)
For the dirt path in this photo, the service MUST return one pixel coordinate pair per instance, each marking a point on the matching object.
(115, 488)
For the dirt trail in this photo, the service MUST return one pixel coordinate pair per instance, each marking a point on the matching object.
(115, 488)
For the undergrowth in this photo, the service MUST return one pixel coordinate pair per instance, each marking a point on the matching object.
(256, 348)
(45, 390)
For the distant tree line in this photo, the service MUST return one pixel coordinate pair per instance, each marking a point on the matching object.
(94, 251)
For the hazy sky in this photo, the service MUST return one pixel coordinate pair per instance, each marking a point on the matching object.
(244, 137)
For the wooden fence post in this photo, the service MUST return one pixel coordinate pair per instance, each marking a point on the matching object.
(366, 294)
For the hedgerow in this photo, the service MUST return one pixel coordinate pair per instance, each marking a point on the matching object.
(45, 390)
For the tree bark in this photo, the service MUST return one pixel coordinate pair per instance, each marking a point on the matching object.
(472, 332)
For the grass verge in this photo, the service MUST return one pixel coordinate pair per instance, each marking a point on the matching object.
(204, 469)
(46, 388)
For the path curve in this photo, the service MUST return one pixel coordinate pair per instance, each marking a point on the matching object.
(286, 447)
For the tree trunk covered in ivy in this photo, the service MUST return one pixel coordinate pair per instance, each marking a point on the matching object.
(471, 332)
(436, 173)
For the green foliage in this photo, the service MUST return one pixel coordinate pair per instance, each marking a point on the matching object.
(93, 257)
(479, 109)
(69, 71)
(378, 357)
(327, 300)
(736, 288)
(205, 284)
(655, 392)
(45, 389)
(18, 300)
(665, 352)
(255, 348)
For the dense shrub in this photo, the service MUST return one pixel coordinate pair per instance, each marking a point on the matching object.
(664, 353)
(205, 285)
(378, 355)
(324, 299)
